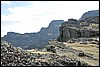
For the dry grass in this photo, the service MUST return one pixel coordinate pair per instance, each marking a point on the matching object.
(40, 52)
(89, 61)
(68, 54)
(87, 48)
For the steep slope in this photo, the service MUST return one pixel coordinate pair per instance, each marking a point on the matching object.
(89, 27)
(90, 13)
(35, 40)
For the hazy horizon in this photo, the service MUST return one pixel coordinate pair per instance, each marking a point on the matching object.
(31, 16)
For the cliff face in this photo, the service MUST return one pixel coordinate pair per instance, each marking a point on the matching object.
(67, 33)
(35, 40)
(89, 27)
(52, 31)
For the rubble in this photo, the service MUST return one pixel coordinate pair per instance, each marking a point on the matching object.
(14, 56)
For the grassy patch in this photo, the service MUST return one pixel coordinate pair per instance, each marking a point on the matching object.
(86, 48)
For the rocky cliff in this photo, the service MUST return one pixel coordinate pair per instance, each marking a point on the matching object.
(89, 27)
(35, 40)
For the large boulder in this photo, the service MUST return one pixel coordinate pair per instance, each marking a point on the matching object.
(51, 48)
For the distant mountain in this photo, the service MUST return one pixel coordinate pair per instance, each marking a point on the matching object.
(40, 39)
(90, 13)
(35, 40)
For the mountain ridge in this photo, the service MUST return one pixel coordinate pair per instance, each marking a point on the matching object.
(35, 40)
(39, 40)
(90, 13)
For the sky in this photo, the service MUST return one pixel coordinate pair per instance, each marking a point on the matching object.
(30, 16)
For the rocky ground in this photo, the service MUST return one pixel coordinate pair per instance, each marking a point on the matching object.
(89, 53)
(15, 56)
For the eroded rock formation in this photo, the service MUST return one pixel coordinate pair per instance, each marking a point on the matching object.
(75, 29)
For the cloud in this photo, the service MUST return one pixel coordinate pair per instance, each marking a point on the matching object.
(39, 14)
(6, 2)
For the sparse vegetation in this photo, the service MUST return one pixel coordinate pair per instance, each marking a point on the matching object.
(86, 48)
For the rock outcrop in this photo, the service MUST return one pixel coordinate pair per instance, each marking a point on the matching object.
(89, 27)
(70, 32)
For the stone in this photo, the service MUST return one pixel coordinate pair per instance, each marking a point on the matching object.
(51, 48)
(81, 54)
(20, 57)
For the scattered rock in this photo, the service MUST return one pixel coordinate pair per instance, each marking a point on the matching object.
(51, 48)
(14, 56)
(81, 54)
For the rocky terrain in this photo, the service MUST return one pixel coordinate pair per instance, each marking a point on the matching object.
(75, 43)
(15, 56)
(88, 53)
(79, 29)
(34, 40)
(81, 38)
